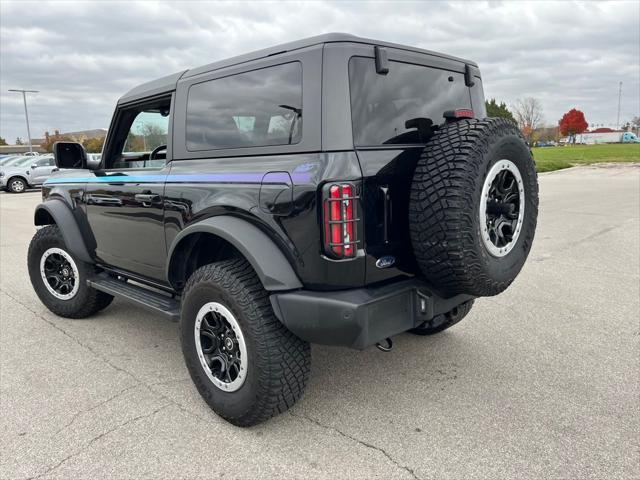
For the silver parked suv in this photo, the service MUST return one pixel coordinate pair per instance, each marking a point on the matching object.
(24, 172)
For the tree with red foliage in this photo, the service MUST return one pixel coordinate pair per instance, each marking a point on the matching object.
(573, 123)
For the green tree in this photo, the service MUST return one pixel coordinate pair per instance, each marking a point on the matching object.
(134, 143)
(19, 141)
(495, 109)
(93, 145)
(2, 141)
(153, 135)
(547, 134)
(145, 137)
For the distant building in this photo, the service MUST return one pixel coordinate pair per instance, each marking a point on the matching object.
(79, 136)
(604, 135)
(18, 149)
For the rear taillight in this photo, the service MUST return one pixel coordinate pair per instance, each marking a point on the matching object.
(340, 220)
(458, 114)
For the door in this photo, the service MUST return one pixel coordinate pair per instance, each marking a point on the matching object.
(41, 170)
(124, 199)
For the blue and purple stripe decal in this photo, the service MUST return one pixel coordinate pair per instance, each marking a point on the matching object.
(274, 177)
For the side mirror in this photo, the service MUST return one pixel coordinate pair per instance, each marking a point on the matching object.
(69, 155)
(34, 165)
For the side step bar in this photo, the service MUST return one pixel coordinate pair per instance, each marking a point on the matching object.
(153, 301)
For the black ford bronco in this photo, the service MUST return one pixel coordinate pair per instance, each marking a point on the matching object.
(333, 190)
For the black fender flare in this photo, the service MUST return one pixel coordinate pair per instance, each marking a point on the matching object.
(66, 221)
(268, 261)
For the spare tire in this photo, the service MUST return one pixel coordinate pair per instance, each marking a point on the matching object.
(473, 207)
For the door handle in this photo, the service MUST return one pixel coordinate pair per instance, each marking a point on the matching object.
(102, 200)
(147, 198)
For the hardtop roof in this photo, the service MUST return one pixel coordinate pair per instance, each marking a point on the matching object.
(168, 83)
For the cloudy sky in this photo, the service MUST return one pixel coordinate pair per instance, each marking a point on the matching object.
(83, 56)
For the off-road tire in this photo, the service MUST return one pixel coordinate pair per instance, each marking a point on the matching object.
(444, 321)
(278, 361)
(444, 221)
(11, 185)
(86, 301)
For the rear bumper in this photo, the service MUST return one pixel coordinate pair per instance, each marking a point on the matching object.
(360, 317)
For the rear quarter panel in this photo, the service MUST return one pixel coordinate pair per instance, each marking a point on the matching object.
(198, 189)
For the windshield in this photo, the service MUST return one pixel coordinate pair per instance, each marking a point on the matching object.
(19, 162)
(402, 106)
(5, 160)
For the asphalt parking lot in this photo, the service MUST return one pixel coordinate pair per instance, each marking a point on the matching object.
(539, 382)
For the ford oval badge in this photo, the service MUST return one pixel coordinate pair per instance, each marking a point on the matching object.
(386, 261)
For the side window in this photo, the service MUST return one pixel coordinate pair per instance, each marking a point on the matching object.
(45, 162)
(140, 134)
(253, 109)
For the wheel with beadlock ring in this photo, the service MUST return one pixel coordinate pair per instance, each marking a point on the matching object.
(60, 279)
(474, 207)
(244, 362)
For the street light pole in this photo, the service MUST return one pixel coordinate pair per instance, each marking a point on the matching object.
(26, 113)
(619, 98)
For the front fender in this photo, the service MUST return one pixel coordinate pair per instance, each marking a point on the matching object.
(58, 212)
(268, 261)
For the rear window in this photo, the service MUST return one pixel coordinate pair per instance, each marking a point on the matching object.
(382, 104)
(253, 109)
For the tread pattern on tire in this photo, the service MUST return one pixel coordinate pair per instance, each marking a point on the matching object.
(285, 359)
(86, 302)
(442, 205)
